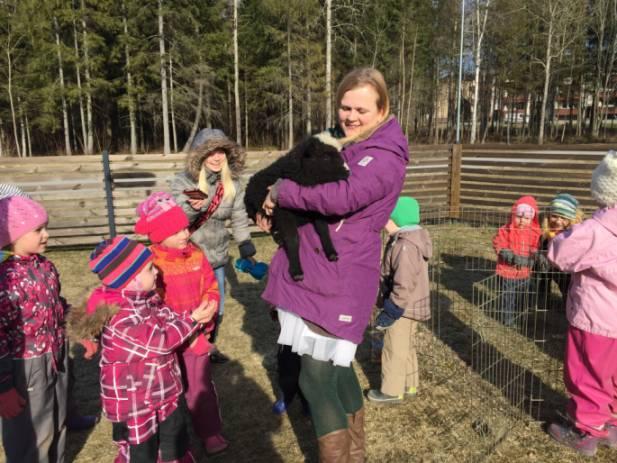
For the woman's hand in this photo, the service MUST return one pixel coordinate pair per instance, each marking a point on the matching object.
(269, 203)
(263, 222)
(197, 204)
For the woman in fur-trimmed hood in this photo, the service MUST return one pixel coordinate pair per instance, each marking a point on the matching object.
(210, 193)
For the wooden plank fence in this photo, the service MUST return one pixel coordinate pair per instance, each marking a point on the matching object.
(442, 177)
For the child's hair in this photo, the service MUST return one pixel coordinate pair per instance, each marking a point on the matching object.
(117, 261)
(19, 215)
(160, 217)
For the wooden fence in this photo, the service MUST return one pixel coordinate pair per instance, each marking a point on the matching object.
(446, 177)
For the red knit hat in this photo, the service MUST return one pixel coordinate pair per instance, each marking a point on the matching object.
(160, 217)
(117, 261)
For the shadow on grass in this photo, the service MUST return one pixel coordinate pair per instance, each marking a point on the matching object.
(85, 395)
(263, 332)
(544, 327)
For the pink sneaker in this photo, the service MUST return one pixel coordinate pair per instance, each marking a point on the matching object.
(583, 443)
(215, 444)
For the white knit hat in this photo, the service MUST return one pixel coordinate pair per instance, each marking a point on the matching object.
(604, 181)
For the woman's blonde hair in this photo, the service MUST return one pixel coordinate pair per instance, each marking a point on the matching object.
(229, 189)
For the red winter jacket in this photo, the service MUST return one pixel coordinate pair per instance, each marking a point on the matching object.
(521, 241)
(139, 368)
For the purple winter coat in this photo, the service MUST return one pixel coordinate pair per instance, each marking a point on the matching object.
(339, 296)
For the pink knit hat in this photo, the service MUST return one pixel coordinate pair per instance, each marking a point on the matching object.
(160, 217)
(18, 216)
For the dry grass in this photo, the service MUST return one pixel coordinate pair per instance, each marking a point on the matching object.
(455, 417)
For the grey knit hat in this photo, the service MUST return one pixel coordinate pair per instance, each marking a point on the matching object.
(604, 181)
(205, 135)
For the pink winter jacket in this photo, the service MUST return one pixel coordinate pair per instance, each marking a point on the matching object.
(589, 251)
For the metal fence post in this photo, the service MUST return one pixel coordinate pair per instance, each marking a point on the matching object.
(456, 156)
(111, 219)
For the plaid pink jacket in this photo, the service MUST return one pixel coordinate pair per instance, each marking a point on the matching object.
(140, 373)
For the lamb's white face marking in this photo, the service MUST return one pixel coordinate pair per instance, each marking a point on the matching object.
(358, 110)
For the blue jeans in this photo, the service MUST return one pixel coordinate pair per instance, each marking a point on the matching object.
(219, 273)
(514, 298)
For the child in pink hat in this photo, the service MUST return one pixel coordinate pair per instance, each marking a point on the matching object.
(186, 280)
(33, 360)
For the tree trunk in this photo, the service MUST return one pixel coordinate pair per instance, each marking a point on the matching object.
(29, 141)
(208, 109)
(491, 111)
(65, 114)
(129, 83)
(246, 117)
(290, 100)
(89, 122)
(22, 128)
(411, 75)
(547, 78)
(309, 101)
(10, 91)
(171, 104)
(328, 63)
(476, 91)
(237, 76)
(163, 71)
(82, 114)
(580, 117)
(198, 110)
(402, 78)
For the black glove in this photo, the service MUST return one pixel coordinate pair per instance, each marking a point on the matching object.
(542, 264)
(522, 261)
(507, 256)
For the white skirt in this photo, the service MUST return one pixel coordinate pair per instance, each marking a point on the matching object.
(296, 333)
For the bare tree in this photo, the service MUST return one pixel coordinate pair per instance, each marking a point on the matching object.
(65, 114)
(290, 127)
(560, 20)
(89, 142)
(129, 83)
(236, 75)
(163, 71)
(9, 64)
(82, 114)
(480, 28)
(328, 63)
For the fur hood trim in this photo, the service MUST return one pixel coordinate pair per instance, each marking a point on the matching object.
(87, 320)
(236, 157)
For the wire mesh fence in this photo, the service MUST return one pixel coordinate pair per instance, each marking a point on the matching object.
(494, 344)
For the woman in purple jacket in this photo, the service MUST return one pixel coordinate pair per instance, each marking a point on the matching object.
(323, 317)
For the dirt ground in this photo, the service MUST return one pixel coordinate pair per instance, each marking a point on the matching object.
(456, 416)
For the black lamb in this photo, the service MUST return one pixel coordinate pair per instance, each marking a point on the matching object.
(313, 161)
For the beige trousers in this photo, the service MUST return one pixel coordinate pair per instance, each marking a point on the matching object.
(399, 362)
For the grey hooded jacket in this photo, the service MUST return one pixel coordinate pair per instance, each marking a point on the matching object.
(212, 237)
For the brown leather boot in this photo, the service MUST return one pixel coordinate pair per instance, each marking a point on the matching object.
(334, 447)
(356, 433)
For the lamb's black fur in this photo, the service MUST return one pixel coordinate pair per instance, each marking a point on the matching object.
(314, 161)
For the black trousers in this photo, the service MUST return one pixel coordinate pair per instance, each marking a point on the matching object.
(289, 372)
(172, 438)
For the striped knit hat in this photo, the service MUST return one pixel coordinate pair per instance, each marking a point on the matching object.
(564, 205)
(117, 261)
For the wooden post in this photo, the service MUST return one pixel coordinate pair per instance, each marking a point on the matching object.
(111, 219)
(456, 157)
